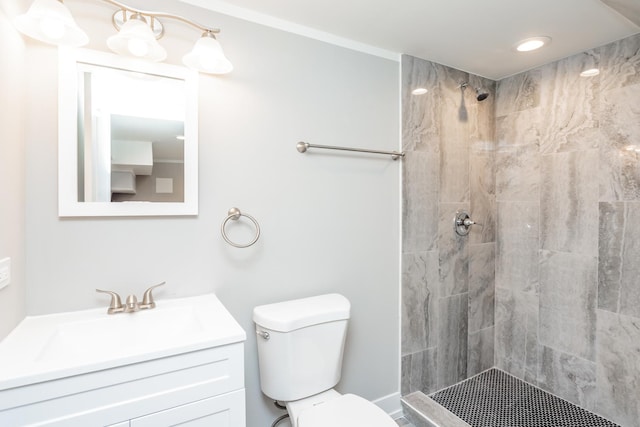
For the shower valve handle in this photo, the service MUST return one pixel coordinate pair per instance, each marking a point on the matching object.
(462, 223)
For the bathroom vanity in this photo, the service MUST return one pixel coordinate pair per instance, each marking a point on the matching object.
(180, 363)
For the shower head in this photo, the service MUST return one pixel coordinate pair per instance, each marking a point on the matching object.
(481, 94)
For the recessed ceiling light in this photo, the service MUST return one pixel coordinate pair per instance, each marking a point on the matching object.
(419, 91)
(532, 43)
(591, 72)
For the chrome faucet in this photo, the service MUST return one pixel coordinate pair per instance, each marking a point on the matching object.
(131, 305)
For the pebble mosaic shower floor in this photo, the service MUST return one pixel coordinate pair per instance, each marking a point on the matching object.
(497, 399)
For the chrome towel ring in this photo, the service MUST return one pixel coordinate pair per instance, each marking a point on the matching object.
(235, 214)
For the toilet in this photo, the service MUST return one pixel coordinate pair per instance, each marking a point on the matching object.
(300, 348)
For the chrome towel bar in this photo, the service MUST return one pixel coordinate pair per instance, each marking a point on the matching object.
(304, 146)
(235, 214)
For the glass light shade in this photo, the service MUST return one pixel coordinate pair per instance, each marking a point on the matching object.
(51, 22)
(135, 38)
(207, 56)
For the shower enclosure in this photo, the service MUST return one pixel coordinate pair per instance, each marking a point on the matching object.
(547, 289)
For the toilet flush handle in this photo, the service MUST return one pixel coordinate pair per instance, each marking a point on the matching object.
(264, 334)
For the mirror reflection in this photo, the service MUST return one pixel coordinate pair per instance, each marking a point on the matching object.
(130, 136)
(127, 136)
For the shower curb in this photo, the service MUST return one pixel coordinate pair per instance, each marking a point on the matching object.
(422, 411)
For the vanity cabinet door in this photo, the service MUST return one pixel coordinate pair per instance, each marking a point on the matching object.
(226, 410)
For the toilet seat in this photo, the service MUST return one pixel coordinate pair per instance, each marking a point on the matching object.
(347, 410)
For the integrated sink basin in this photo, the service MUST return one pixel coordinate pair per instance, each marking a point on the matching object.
(109, 336)
(47, 347)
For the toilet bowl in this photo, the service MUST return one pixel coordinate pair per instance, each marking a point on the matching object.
(331, 408)
(300, 349)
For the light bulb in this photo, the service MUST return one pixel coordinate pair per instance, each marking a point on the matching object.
(52, 27)
(137, 47)
(533, 43)
(591, 72)
(530, 45)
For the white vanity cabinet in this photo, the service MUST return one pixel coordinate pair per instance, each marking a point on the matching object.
(204, 387)
(199, 383)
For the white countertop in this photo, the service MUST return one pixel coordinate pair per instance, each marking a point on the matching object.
(43, 348)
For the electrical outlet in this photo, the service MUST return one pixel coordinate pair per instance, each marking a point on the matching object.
(5, 272)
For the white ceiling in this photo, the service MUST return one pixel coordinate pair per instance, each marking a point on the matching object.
(471, 35)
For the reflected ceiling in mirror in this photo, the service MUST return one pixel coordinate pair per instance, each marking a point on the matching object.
(128, 137)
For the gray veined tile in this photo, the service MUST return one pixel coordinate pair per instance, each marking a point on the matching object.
(419, 201)
(518, 173)
(454, 161)
(420, 114)
(568, 376)
(519, 128)
(420, 280)
(569, 103)
(419, 371)
(618, 368)
(517, 246)
(630, 279)
(516, 333)
(620, 63)
(453, 252)
(610, 249)
(569, 202)
(481, 286)
(568, 289)
(619, 174)
(518, 156)
(619, 252)
(480, 351)
(519, 92)
(483, 198)
(452, 339)
(620, 154)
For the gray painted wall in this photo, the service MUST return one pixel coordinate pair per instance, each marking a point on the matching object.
(447, 280)
(330, 221)
(12, 168)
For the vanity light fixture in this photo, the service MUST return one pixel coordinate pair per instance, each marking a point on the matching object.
(50, 21)
(136, 38)
(532, 43)
(207, 56)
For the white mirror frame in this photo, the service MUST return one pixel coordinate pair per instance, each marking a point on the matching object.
(68, 205)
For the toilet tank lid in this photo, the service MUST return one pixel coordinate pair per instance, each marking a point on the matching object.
(295, 314)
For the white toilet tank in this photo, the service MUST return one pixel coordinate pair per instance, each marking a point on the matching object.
(302, 355)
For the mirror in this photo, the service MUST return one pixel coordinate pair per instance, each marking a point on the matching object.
(128, 136)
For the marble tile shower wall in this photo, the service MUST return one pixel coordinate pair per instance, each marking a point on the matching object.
(447, 280)
(551, 166)
(567, 295)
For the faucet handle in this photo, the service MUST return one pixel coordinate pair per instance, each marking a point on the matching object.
(147, 298)
(116, 303)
